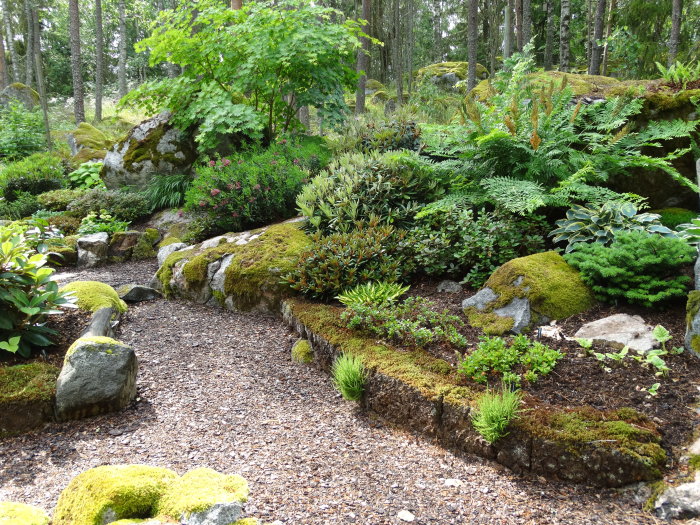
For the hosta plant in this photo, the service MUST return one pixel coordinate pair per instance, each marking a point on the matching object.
(690, 232)
(87, 176)
(373, 293)
(601, 223)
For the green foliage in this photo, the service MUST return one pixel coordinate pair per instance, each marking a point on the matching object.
(382, 136)
(167, 191)
(494, 411)
(413, 322)
(602, 223)
(349, 376)
(21, 131)
(680, 73)
(636, 267)
(101, 222)
(494, 355)
(341, 261)
(123, 205)
(58, 200)
(690, 232)
(674, 217)
(449, 239)
(87, 176)
(65, 223)
(269, 61)
(23, 205)
(27, 294)
(357, 187)
(35, 174)
(250, 190)
(662, 335)
(373, 293)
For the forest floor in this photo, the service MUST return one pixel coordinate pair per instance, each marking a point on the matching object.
(218, 389)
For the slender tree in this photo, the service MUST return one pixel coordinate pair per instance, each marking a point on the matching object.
(564, 21)
(472, 40)
(362, 60)
(508, 29)
(410, 51)
(608, 34)
(99, 60)
(236, 4)
(39, 68)
(397, 55)
(527, 21)
(549, 34)
(676, 9)
(11, 51)
(4, 77)
(596, 47)
(519, 24)
(121, 65)
(75, 62)
(493, 13)
(29, 58)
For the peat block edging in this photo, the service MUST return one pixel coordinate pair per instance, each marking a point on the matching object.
(446, 418)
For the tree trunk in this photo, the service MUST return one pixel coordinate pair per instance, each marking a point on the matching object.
(29, 54)
(519, 24)
(596, 48)
(608, 33)
(236, 4)
(411, 42)
(362, 61)
(527, 22)
(589, 31)
(397, 66)
(565, 19)
(437, 32)
(99, 60)
(121, 66)
(39, 68)
(472, 39)
(78, 95)
(676, 9)
(494, 14)
(549, 35)
(11, 52)
(4, 78)
(507, 29)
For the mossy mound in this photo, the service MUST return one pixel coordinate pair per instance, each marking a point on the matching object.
(93, 295)
(30, 382)
(109, 493)
(374, 85)
(88, 136)
(302, 351)
(92, 340)
(21, 93)
(459, 69)
(553, 289)
(579, 84)
(21, 514)
(673, 217)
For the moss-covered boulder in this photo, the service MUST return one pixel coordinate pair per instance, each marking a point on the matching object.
(20, 93)
(240, 271)
(448, 74)
(153, 147)
(302, 351)
(692, 330)
(591, 85)
(93, 295)
(26, 396)
(87, 143)
(21, 514)
(527, 291)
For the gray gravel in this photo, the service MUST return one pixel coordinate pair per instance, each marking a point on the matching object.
(218, 389)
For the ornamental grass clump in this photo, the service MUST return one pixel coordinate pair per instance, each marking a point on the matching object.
(494, 412)
(374, 293)
(349, 376)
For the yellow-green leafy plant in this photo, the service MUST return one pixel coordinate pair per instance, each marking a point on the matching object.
(373, 293)
(349, 376)
(494, 412)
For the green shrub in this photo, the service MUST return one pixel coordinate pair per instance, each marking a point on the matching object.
(413, 322)
(167, 191)
(67, 224)
(674, 217)
(101, 222)
(494, 411)
(22, 206)
(341, 261)
(357, 187)
(494, 356)
(35, 174)
(637, 267)
(58, 200)
(349, 376)
(21, 131)
(87, 176)
(374, 293)
(122, 205)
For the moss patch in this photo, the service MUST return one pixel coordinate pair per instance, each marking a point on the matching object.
(302, 352)
(692, 306)
(88, 136)
(168, 241)
(165, 272)
(673, 217)
(459, 69)
(104, 342)
(114, 492)
(93, 295)
(144, 247)
(30, 382)
(21, 514)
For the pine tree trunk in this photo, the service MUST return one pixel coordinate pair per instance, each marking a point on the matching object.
(507, 29)
(121, 66)
(596, 48)
(29, 58)
(519, 24)
(565, 20)
(589, 32)
(397, 65)
(549, 35)
(437, 32)
(78, 94)
(4, 77)
(472, 38)
(236, 4)
(11, 52)
(99, 60)
(362, 61)
(527, 22)
(494, 14)
(608, 33)
(676, 9)
(39, 68)
(411, 42)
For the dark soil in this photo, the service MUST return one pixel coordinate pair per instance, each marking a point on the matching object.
(579, 379)
(69, 326)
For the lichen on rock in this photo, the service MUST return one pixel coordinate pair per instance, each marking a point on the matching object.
(93, 295)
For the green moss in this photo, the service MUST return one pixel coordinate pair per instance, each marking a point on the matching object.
(302, 351)
(93, 295)
(692, 306)
(152, 235)
(489, 323)
(694, 462)
(195, 270)
(579, 84)
(21, 514)
(112, 492)
(247, 521)
(673, 217)
(88, 136)
(168, 241)
(144, 248)
(443, 68)
(31, 382)
(165, 272)
(667, 100)
(374, 85)
(94, 340)
(198, 490)
(140, 151)
(18, 86)
(657, 488)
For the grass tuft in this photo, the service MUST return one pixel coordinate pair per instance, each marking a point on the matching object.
(349, 376)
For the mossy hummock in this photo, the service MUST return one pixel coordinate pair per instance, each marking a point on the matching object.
(93, 295)
(30, 382)
(459, 69)
(21, 514)
(302, 351)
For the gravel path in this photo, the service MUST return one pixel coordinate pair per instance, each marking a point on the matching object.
(218, 389)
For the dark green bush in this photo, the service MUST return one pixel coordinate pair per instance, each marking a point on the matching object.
(388, 136)
(167, 191)
(65, 223)
(24, 205)
(21, 131)
(125, 206)
(637, 267)
(673, 217)
(35, 174)
(58, 200)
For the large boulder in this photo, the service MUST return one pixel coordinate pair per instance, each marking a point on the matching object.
(681, 502)
(528, 291)
(98, 377)
(692, 329)
(448, 74)
(20, 93)
(240, 271)
(93, 249)
(154, 147)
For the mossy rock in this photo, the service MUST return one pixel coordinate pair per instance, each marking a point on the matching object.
(459, 69)
(551, 288)
(21, 93)
(88, 136)
(110, 493)
(93, 295)
(167, 241)
(144, 248)
(62, 256)
(21, 514)
(593, 85)
(374, 85)
(302, 351)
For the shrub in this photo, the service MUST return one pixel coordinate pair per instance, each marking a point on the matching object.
(374, 293)
(637, 268)
(23, 205)
(349, 376)
(27, 294)
(35, 174)
(357, 187)
(58, 200)
(450, 239)
(397, 134)
(102, 222)
(87, 176)
(413, 322)
(65, 223)
(122, 205)
(494, 411)
(247, 190)
(167, 191)
(493, 355)
(21, 131)
(343, 260)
